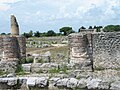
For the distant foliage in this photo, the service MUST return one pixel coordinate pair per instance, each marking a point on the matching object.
(5, 33)
(90, 27)
(81, 28)
(98, 28)
(51, 33)
(26, 35)
(37, 34)
(111, 28)
(66, 30)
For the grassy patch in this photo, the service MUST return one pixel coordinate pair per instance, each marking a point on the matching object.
(99, 68)
(19, 70)
(118, 69)
(58, 70)
(2, 72)
(54, 70)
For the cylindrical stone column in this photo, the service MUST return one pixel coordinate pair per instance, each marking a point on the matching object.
(79, 56)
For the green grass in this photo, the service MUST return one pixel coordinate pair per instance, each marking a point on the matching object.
(54, 71)
(2, 72)
(58, 70)
(99, 68)
(19, 70)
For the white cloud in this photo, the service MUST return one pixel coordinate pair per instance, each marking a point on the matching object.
(40, 13)
(9, 1)
(87, 9)
(4, 4)
(4, 7)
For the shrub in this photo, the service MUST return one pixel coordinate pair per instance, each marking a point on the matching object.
(23, 60)
(2, 72)
(29, 60)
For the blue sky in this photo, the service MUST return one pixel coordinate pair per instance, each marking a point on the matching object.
(44, 15)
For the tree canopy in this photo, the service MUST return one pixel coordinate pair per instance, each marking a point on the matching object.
(81, 28)
(66, 30)
(51, 33)
(111, 28)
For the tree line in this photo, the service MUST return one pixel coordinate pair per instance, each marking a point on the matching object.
(64, 31)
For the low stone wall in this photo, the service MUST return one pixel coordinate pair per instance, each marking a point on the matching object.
(56, 83)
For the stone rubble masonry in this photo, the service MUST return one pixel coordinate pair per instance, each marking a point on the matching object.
(106, 50)
(96, 50)
(56, 83)
(79, 50)
(12, 47)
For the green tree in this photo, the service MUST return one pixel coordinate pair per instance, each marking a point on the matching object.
(111, 28)
(66, 30)
(31, 33)
(98, 28)
(51, 33)
(3, 33)
(44, 34)
(95, 27)
(90, 27)
(81, 28)
(26, 35)
(8, 33)
(37, 34)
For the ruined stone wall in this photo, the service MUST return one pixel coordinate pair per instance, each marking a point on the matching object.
(95, 50)
(12, 47)
(87, 30)
(106, 50)
(22, 46)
